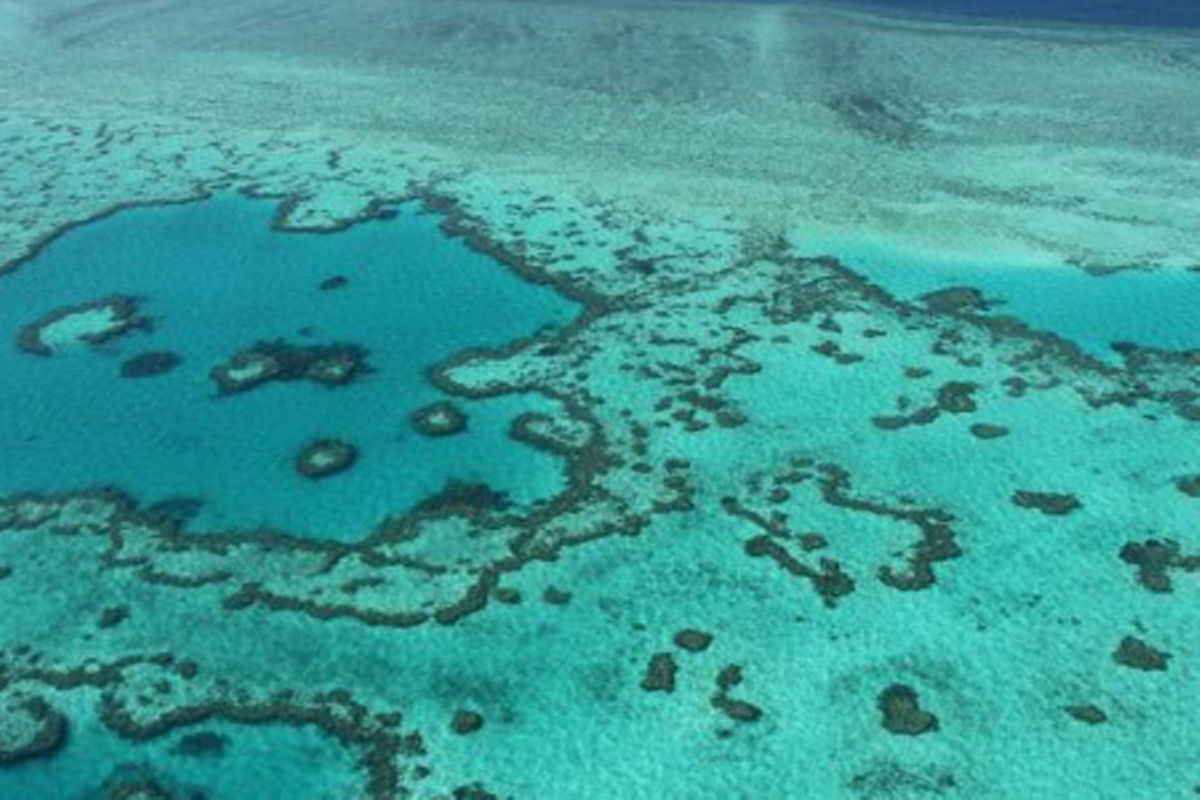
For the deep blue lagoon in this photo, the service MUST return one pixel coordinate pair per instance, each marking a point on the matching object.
(215, 279)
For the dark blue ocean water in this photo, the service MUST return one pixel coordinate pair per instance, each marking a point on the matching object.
(1159, 13)
(1154, 13)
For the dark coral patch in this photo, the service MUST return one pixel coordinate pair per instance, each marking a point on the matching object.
(1091, 714)
(813, 541)
(922, 416)
(507, 595)
(333, 283)
(955, 299)
(1153, 558)
(937, 542)
(150, 364)
(113, 616)
(555, 596)
(1052, 503)
(202, 744)
(729, 677)
(902, 713)
(326, 457)
(660, 673)
(953, 397)
(1189, 485)
(832, 350)
(1134, 653)
(891, 422)
(987, 431)
(331, 365)
(466, 722)
(830, 581)
(461, 497)
(957, 397)
(737, 710)
(442, 418)
(692, 640)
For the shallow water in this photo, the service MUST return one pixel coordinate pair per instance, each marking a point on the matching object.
(216, 760)
(1092, 311)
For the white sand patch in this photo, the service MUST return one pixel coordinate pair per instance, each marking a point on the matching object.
(250, 369)
(71, 330)
(323, 459)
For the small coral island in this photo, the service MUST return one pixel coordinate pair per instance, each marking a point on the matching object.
(94, 322)
(442, 418)
(334, 364)
(326, 457)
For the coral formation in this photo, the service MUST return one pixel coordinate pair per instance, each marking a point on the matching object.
(902, 713)
(331, 365)
(94, 322)
(442, 418)
(326, 457)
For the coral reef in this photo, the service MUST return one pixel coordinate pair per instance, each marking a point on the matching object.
(326, 457)
(902, 713)
(331, 365)
(94, 322)
(442, 418)
(1137, 654)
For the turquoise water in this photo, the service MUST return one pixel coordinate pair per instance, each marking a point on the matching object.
(996, 647)
(791, 539)
(1093, 311)
(215, 279)
(239, 761)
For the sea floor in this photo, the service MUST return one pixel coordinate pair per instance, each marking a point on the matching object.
(418, 428)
